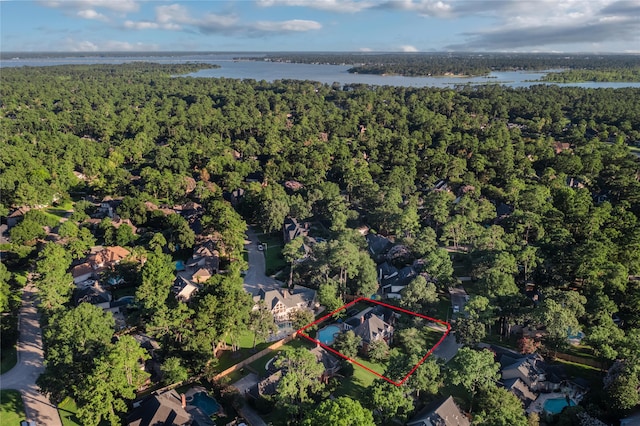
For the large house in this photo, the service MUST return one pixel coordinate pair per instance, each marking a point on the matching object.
(283, 303)
(441, 413)
(371, 325)
(167, 408)
(101, 258)
(202, 265)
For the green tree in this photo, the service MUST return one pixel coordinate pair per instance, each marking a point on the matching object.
(559, 312)
(347, 343)
(173, 371)
(328, 297)
(419, 295)
(5, 290)
(26, 231)
(389, 401)
(342, 411)
(124, 235)
(74, 339)
(378, 351)
(261, 322)
(292, 251)
(301, 379)
(115, 378)
(68, 229)
(472, 370)
(302, 317)
(499, 407)
(157, 278)
(53, 282)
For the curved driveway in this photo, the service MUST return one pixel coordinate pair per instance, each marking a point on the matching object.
(255, 278)
(23, 376)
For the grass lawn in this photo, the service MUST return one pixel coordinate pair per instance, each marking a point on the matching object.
(67, 410)
(273, 253)
(593, 375)
(229, 358)
(11, 407)
(356, 384)
(259, 365)
(8, 359)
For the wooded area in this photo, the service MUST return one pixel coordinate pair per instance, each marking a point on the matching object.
(535, 189)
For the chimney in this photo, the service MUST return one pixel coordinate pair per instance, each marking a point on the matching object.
(362, 319)
(184, 400)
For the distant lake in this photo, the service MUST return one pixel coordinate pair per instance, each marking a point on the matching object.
(328, 74)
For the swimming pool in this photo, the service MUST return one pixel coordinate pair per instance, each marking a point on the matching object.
(207, 404)
(328, 334)
(556, 405)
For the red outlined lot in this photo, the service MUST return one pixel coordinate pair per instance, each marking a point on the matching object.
(395, 308)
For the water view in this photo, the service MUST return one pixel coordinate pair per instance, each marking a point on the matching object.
(328, 74)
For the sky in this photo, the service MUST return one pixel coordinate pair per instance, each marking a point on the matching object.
(604, 26)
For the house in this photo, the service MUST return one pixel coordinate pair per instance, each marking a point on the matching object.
(202, 265)
(167, 408)
(16, 216)
(92, 292)
(331, 364)
(373, 328)
(183, 288)
(529, 369)
(108, 206)
(82, 272)
(292, 229)
(107, 257)
(283, 303)
(267, 386)
(517, 387)
(378, 246)
(397, 282)
(442, 413)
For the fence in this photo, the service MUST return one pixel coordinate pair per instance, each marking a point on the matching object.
(256, 356)
(582, 360)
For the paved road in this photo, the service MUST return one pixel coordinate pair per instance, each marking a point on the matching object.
(23, 376)
(255, 279)
(243, 385)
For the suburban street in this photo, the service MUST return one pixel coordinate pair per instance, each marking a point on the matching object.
(23, 376)
(255, 279)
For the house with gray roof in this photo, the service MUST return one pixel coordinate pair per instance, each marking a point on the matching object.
(441, 413)
(167, 408)
(284, 302)
(373, 328)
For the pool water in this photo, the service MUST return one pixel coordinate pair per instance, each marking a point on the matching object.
(328, 334)
(556, 405)
(207, 404)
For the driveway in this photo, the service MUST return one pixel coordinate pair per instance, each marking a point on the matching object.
(243, 385)
(459, 298)
(255, 278)
(23, 376)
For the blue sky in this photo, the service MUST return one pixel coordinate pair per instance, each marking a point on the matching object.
(321, 25)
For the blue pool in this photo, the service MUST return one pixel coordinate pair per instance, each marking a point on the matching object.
(180, 265)
(207, 404)
(328, 334)
(556, 405)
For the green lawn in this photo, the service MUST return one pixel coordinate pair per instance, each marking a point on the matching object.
(229, 358)
(8, 359)
(273, 253)
(356, 384)
(259, 365)
(67, 410)
(11, 407)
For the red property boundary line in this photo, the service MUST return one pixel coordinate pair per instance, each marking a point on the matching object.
(395, 308)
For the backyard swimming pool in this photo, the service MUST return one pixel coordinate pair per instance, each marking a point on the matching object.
(328, 334)
(556, 405)
(207, 404)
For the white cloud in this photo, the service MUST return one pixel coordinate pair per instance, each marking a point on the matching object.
(340, 6)
(113, 5)
(73, 45)
(177, 17)
(92, 14)
(408, 48)
(365, 49)
(294, 25)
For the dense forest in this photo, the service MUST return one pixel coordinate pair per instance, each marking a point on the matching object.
(542, 194)
(472, 64)
(609, 74)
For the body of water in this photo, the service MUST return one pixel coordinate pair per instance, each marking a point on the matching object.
(328, 74)
(328, 334)
(556, 405)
